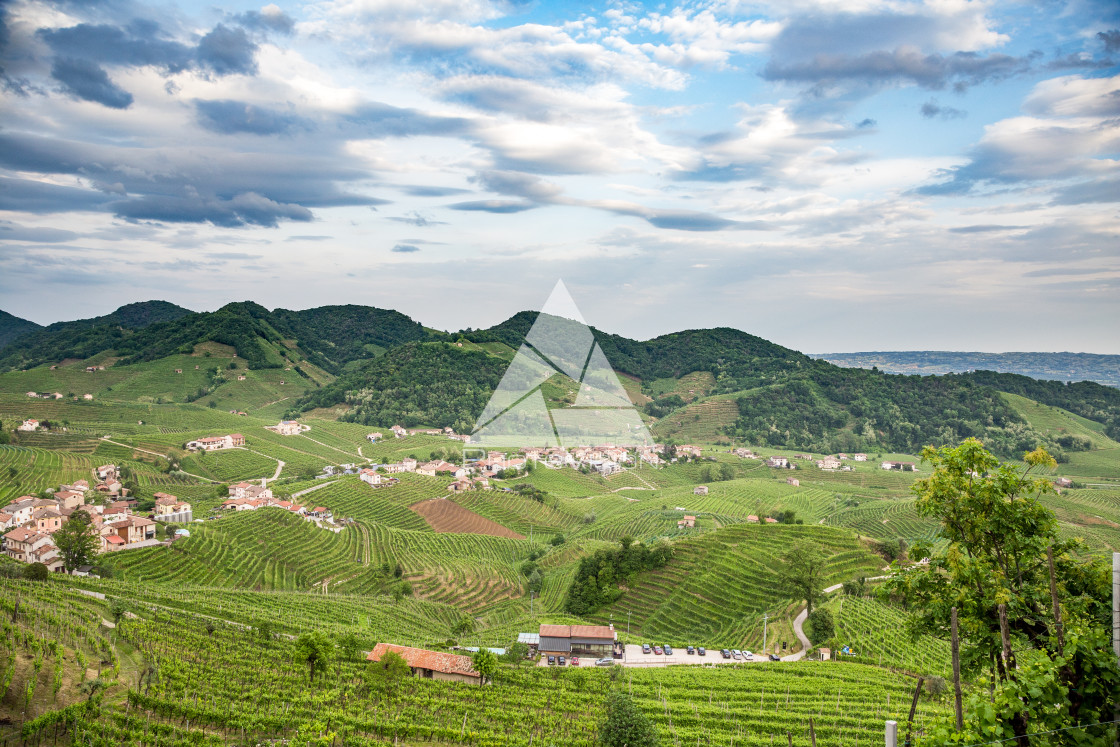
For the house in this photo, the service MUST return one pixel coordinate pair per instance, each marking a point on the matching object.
(116, 511)
(752, 519)
(777, 462)
(70, 498)
(319, 512)
(46, 520)
(288, 427)
(111, 488)
(374, 437)
(590, 640)
(20, 510)
(170, 508)
(87, 396)
(859, 457)
(770, 520)
(399, 431)
(29, 425)
(828, 463)
(22, 543)
(243, 490)
(745, 454)
(241, 377)
(793, 481)
(131, 530)
(106, 471)
(1063, 482)
(434, 665)
(700, 490)
(370, 476)
(81, 485)
(688, 450)
(459, 486)
(902, 466)
(688, 522)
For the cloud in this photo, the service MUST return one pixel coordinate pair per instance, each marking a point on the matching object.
(268, 18)
(243, 209)
(518, 184)
(227, 51)
(1111, 40)
(38, 234)
(987, 228)
(31, 196)
(87, 81)
(418, 219)
(1095, 191)
(932, 110)
(137, 45)
(405, 248)
(493, 206)
(228, 117)
(375, 120)
(422, 190)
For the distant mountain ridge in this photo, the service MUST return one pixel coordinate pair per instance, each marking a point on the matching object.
(12, 327)
(1068, 367)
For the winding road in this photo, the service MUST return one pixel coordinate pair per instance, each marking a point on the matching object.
(799, 624)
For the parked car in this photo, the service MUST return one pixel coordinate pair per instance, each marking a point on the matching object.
(702, 651)
(658, 650)
(561, 661)
(748, 656)
(607, 662)
(690, 650)
(551, 661)
(735, 654)
(668, 650)
(775, 657)
(646, 649)
(575, 661)
(725, 654)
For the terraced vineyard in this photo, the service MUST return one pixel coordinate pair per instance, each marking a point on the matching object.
(876, 634)
(886, 519)
(447, 516)
(716, 584)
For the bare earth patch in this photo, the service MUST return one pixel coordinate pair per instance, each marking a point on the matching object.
(446, 516)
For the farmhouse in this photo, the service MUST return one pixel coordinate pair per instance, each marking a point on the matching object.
(288, 428)
(793, 481)
(590, 640)
(170, 508)
(70, 498)
(688, 450)
(745, 454)
(777, 462)
(700, 490)
(859, 457)
(374, 437)
(688, 522)
(29, 425)
(1063, 482)
(903, 466)
(434, 665)
(106, 471)
(249, 490)
(829, 463)
(370, 476)
(399, 431)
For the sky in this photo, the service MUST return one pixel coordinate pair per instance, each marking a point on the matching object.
(832, 176)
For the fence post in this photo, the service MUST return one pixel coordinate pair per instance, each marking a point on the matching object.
(892, 734)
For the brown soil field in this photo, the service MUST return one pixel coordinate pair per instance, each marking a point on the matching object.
(446, 516)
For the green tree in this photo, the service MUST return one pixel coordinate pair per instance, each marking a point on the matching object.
(77, 541)
(803, 572)
(625, 725)
(117, 609)
(265, 630)
(998, 539)
(316, 650)
(350, 646)
(821, 626)
(36, 572)
(387, 673)
(516, 654)
(485, 663)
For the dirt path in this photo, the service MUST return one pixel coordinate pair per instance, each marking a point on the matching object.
(313, 488)
(108, 440)
(334, 448)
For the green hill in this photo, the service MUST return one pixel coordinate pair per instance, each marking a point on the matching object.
(12, 327)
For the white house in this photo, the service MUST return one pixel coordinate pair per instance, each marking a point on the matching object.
(370, 476)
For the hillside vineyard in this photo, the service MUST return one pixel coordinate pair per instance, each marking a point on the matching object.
(212, 520)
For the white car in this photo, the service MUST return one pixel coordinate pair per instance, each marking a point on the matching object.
(748, 656)
(736, 653)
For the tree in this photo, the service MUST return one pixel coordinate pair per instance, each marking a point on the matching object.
(485, 663)
(36, 572)
(388, 672)
(516, 654)
(77, 541)
(350, 646)
(994, 567)
(821, 626)
(316, 650)
(625, 725)
(265, 630)
(803, 572)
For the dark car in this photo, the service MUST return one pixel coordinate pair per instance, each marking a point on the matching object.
(658, 650)
(690, 650)
(646, 649)
(561, 661)
(702, 651)
(668, 649)
(725, 653)
(551, 661)
(775, 657)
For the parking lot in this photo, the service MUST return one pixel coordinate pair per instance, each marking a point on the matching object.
(635, 658)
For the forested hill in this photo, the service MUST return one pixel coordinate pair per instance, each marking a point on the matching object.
(12, 327)
(329, 336)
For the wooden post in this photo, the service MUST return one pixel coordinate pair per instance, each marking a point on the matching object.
(1005, 635)
(892, 734)
(812, 732)
(913, 710)
(790, 738)
(956, 644)
(1054, 601)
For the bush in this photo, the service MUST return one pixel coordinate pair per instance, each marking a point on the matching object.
(36, 572)
(821, 626)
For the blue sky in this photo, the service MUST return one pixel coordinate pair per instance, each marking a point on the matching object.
(874, 174)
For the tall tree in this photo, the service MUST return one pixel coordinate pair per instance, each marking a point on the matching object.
(77, 541)
(387, 673)
(316, 650)
(485, 663)
(625, 725)
(1047, 671)
(803, 572)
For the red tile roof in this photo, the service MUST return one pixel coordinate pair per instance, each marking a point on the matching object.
(437, 661)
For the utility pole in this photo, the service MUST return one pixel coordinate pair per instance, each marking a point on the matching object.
(628, 622)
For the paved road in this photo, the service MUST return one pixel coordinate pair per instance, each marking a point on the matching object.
(108, 440)
(799, 623)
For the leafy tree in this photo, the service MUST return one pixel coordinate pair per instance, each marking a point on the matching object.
(485, 663)
(463, 625)
(117, 609)
(265, 630)
(350, 646)
(387, 673)
(625, 725)
(77, 541)
(316, 650)
(821, 626)
(36, 572)
(556, 540)
(516, 654)
(998, 539)
(803, 572)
